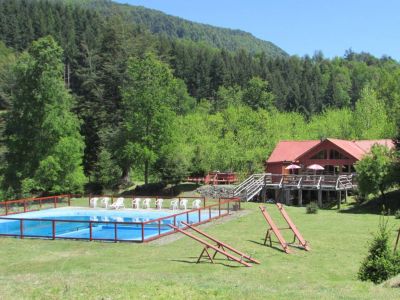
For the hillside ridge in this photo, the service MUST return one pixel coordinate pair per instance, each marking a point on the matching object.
(159, 22)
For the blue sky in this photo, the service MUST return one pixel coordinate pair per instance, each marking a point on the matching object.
(300, 27)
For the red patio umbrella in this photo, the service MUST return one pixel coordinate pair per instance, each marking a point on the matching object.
(292, 167)
(315, 167)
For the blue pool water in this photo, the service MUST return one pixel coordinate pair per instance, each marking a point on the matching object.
(102, 228)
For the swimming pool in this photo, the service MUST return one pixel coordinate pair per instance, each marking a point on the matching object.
(99, 224)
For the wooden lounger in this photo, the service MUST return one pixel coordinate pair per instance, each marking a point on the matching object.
(275, 230)
(296, 232)
(219, 248)
(222, 245)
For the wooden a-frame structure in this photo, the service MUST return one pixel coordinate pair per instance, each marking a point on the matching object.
(220, 247)
(273, 228)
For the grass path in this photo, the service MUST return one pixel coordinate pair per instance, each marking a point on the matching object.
(40, 269)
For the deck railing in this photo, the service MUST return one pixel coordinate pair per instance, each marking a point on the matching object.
(117, 230)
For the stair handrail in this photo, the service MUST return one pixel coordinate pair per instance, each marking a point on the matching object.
(254, 188)
(242, 184)
(247, 182)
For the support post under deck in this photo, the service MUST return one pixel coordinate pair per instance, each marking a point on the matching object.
(319, 198)
(287, 197)
(300, 197)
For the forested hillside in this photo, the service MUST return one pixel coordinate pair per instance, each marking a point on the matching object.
(211, 109)
(173, 27)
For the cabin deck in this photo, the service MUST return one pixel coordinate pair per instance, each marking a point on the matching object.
(283, 184)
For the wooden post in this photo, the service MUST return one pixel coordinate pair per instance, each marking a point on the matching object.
(319, 198)
(115, 232)
(345, 196)
(397, 241)
(53, 229)
(263, 194)
(300, 197)
(339, 199)
(264, 190)
(287, 197)
(21, 228)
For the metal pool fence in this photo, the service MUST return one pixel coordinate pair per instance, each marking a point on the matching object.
(142, 231)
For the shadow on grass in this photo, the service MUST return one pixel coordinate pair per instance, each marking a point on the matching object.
(273, 246)
(161, 189)
(217, 261)
(376, 206)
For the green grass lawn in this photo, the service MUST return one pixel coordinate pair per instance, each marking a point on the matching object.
(41, 269)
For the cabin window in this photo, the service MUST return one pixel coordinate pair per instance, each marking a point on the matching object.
(320, 155)
(352, 169)
(329, 169)
(336, 170)
(346, 169)
(334, 154)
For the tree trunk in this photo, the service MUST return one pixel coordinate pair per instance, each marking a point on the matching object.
(146, 172)
(125, 175)
(383, 197)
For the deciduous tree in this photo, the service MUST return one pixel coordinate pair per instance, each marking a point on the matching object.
(42, 135)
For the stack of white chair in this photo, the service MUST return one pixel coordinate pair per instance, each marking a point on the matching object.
(146, 203)
(159, 203)
(105, 201)
(196, 204)
(93, 202)
(183, 204)
(174, 204)
(136, 203)
(118, 204)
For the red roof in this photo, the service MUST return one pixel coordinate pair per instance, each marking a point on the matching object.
(292, 150)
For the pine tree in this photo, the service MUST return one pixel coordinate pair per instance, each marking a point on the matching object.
(380, 264)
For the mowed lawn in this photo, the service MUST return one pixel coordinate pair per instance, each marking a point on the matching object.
(41, 269)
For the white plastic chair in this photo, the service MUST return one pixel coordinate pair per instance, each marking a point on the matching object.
(196, 204)
(93, 202)
(146, 203)
(183, 204)
(118, 204)
(136, 203)
(105, 201)
(174, 204)
(159, 203)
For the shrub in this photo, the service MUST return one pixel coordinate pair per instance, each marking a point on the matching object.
(397, 214)
(381, 263)
(312, 208)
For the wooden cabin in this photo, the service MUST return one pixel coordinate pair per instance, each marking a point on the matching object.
(336, 156)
